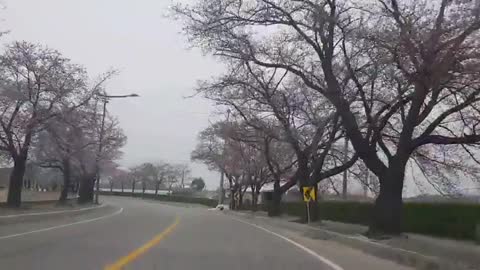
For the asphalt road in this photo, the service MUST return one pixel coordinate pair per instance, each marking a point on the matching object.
(141, 234)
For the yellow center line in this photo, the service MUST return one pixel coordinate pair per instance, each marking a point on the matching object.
(122, 262)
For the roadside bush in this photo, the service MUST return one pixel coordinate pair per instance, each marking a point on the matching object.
(342, 211)
(477, 233)
(348, 212)
(452, 220)
(173, 198)
(248, 206)
(167, 198)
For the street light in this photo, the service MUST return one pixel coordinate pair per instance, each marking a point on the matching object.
(105, 98)
(117, 96)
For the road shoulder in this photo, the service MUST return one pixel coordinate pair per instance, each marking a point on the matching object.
(346, 257)
(23, 224)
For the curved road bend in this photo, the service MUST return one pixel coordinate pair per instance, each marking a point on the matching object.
(149, 235)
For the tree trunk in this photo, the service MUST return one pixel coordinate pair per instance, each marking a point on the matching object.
(143, 189)
(133, 188)
(274, 203)
(257, 195)
(156, 188)
(86, 189)
(14, 198)
(233, 205)
(254, 199)
(121, 184)
(66, 181)
(387, 212)
(240, 199)
(73, 186)
(345, 173)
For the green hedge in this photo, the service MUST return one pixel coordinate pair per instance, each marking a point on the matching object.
(343, 211)
(453, 220)
(442, 219)
(167, 198)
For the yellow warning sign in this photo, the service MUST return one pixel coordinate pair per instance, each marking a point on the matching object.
(309, 194)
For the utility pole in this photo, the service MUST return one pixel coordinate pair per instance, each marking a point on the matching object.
(183, 177)
(345, 173)
(100, 140)
(221, 195)
(100, 147)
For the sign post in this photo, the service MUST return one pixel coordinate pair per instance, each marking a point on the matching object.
(309, 195)
(308, 212)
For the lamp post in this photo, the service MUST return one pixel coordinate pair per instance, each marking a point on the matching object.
(105, 98)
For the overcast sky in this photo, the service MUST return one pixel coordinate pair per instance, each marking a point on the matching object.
(155, 62)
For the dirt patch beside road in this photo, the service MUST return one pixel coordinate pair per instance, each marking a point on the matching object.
(38, 207)
(32, 196)
(35, 201)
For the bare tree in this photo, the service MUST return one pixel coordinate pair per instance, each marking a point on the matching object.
(118, 178)
(209, 149)
(410, 68)
(277, 103)
(153, 173)
(134, 176)
(262, 160)
(35, 83)
(58, 144)
(173, 176)
(160, 172)
(213, 150)
(85, 160)
(239, 151)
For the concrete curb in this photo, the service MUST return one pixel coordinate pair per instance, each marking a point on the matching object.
(398, 255)
(33, 217)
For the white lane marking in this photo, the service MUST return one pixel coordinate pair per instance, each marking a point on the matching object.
(324, 260)
(364, 240)
(52, 212)
(62, 226)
